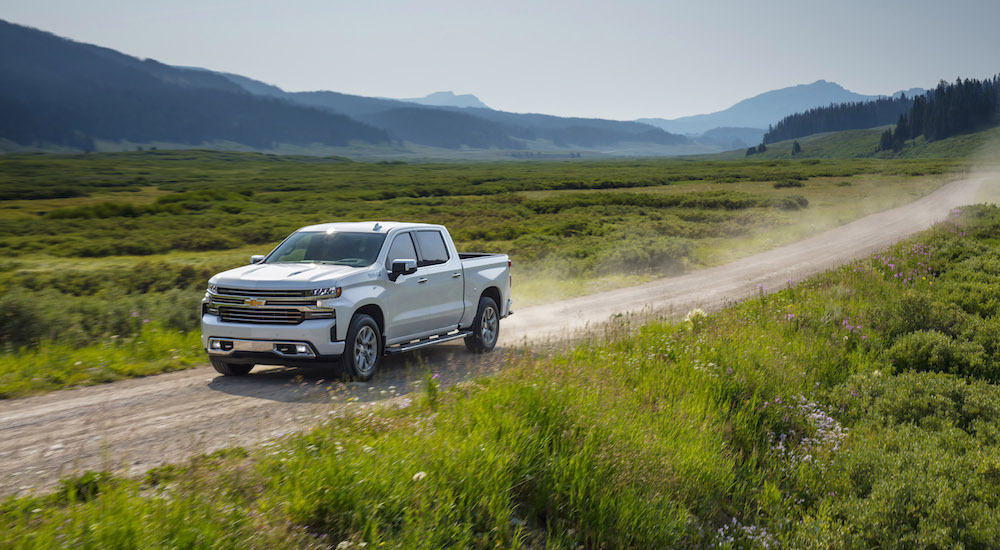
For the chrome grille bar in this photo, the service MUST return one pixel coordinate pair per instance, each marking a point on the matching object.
(261, 315)
(266, 293)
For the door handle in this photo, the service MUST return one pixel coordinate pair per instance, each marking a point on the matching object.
(422, 281)
(455, 275)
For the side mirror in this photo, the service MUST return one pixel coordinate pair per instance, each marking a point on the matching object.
(256, 258)
(402, 267)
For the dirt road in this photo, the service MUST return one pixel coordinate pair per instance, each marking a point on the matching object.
(134, 425)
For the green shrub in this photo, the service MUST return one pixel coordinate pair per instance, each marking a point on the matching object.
(930, 350)
(637, 254)
(20, 322)
(785, 183)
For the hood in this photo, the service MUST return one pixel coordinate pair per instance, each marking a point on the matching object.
(284, 276)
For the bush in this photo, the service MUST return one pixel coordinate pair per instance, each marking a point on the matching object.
(20, 323)
(788, 183)
(663, 254)
(933, 351)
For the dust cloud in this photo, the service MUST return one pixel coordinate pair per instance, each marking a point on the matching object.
(986, 168)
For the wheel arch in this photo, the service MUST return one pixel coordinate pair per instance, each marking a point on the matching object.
(493, 292)
(375, 312)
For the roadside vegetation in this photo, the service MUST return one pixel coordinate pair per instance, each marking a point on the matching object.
(857, 409)
(102, 250)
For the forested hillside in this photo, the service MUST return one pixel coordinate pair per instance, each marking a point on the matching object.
(856, 115)
(61, 92)
(948, 110)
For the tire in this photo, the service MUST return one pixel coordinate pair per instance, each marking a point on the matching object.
(485, 328)
(230, 369)
(363, 349)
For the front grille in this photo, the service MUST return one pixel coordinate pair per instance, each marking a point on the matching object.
(257, 293)
(261, 315)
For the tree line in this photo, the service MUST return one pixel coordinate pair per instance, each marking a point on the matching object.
(948, 110)
(843, 116)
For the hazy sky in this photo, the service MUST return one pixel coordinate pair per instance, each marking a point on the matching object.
(620, 59)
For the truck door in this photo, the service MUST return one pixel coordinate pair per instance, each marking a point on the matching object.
(404, 307)
(441, 276)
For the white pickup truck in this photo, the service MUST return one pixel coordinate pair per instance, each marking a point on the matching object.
(347, 293)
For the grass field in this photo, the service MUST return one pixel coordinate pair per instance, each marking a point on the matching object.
(857, 409)
(100, 247)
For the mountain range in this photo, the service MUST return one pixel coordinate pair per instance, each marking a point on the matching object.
(64, 94)
(748, 120)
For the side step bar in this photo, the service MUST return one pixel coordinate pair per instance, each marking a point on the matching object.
(426, 342)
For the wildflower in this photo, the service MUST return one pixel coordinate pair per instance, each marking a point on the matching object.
(134, 314)
(419, 476)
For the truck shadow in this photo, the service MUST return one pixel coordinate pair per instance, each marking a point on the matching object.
(398, 375)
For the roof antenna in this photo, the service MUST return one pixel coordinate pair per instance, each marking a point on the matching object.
(377, 226)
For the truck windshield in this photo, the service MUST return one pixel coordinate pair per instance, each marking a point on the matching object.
(353, 249)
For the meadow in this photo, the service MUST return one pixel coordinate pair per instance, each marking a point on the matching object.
(102, 251)
(856, 409)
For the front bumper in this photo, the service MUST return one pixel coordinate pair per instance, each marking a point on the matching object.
(267, 340)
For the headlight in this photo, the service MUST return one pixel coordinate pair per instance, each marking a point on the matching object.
(213, 289)
(329, 292)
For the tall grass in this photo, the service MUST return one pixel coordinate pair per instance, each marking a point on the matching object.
(152, 349)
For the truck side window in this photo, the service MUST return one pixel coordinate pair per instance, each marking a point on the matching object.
(432, 248)
(401, 249)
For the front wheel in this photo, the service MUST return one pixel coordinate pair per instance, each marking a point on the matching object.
(485, 328)
(226, 368)
(363, 349)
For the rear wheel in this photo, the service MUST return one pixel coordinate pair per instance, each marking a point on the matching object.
(485, 328)
(363, 349)
(231, 369)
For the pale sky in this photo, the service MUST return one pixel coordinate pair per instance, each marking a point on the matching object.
(621, 59)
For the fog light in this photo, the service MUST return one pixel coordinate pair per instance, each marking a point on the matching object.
(300, 348)
(224, 345)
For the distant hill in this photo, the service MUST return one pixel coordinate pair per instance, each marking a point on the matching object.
(767, 108)
(449, 99)
(61, 92)
(731, 138)
(454, 127)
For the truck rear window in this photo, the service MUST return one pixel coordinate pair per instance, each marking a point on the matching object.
(353, 249)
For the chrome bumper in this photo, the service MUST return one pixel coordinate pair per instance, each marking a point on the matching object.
(229, 346)
(262, 338)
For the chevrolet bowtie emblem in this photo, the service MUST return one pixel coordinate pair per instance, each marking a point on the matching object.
(254, 302)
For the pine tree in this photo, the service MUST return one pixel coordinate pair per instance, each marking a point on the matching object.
(796, 148)
(902, 132)
(885, 143)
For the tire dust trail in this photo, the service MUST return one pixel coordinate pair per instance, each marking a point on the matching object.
(134, 425)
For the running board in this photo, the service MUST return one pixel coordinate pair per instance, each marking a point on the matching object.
(426, 342)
